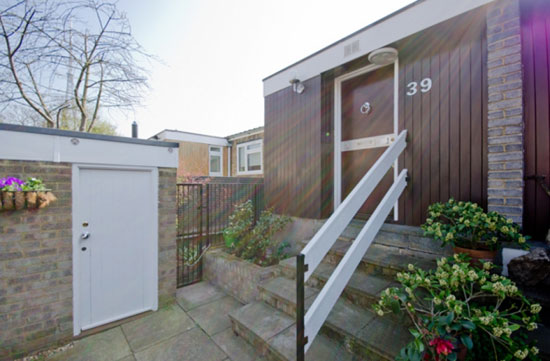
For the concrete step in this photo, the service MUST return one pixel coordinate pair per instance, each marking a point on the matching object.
(380, 259)
(400, 236)
(362, 289)
(273, 334)
(346, 322)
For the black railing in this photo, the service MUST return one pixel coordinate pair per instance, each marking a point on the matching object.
(203, 213)
(301, 340)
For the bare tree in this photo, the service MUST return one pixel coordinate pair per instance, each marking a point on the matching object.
(69, 59)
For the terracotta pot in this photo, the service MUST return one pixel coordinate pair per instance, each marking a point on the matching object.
(32, 200)
(19, 200)
(476, 255)
(7, 201)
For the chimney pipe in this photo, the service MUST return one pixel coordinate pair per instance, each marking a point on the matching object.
(134, 130)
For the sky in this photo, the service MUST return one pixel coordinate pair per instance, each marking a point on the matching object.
(214, 54)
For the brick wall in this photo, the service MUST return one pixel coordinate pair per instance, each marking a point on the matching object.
(36, 297)
(36, 264)
(167, 235)
(505, 130)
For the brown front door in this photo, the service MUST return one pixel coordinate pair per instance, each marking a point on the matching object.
(367, 111)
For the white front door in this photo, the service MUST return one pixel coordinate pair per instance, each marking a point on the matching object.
(115, 240)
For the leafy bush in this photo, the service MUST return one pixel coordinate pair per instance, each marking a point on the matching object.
(465, 224)
(255, 244)
(459, 304)
(240, 223)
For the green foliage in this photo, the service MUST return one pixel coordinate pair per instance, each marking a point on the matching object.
(465, 224)
(240, 224)
(33, 184)
(189, 253)
(255, 244)
(459, 304)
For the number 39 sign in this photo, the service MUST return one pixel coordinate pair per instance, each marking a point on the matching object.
(425, 86)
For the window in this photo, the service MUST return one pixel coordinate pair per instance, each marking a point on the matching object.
(249, 157)
(215, 161)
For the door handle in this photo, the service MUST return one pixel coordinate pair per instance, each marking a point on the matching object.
(365, 108)
(85, 235)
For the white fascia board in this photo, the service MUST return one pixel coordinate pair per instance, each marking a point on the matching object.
(408, 22)
(53, 148)
(233, 138)
(193, 138)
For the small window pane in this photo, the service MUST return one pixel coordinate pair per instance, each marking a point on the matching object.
(241, 160)
(254, 161)
(253, 146)
(214, 164)
(215, 149)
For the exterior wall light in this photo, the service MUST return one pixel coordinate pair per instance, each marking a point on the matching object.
(383, 56)
(297, 86)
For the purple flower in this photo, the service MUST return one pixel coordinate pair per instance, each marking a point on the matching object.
(11, 183)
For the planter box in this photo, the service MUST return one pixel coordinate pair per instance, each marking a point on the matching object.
(237, 277)
(10, 201)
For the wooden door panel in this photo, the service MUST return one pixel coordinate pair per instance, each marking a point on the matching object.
(376, 88)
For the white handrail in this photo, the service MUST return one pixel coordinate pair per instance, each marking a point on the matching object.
(324, 239)
(327, 298)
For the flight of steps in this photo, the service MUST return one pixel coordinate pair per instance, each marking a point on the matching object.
(352, 331)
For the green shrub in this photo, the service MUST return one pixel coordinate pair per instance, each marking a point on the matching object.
(255, 244)
(465, 224)
(460, 304)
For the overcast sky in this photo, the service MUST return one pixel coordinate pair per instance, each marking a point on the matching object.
(215, 54)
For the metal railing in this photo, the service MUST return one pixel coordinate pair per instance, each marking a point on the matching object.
(308, 324)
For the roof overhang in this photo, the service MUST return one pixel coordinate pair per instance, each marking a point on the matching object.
(409, 20)
(178, 136)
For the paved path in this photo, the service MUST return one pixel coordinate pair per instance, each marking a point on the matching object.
(196, 328)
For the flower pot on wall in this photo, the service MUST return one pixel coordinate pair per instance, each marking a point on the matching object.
(476, 255)
(7, 201)
(25, 200)
(19, 200)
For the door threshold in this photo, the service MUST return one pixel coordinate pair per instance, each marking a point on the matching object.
(112, 324)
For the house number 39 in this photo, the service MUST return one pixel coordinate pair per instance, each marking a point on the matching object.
(425, 86)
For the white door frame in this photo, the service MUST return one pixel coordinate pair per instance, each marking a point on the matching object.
(338, 126)
(152, 253)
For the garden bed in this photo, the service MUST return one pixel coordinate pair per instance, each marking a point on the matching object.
(237, 277)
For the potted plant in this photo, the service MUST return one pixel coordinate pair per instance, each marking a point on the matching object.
(18, 194)
(470, 230)
(459, 311)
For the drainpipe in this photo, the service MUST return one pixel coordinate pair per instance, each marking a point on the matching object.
(134, 130)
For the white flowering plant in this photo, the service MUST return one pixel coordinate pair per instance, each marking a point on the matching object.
(465, 224)
(459, 308)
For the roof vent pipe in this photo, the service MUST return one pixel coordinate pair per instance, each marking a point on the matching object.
(383, 56)
(134, 130)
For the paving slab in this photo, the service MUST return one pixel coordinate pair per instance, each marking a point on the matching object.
(263, 320)
(193, 345)
(157, 326)
(197, 295)
(212, 317)
(236, 347)
(322, 349)
(109, 345)
(128, 358)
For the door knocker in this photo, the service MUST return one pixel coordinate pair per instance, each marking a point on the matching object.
(365, 108)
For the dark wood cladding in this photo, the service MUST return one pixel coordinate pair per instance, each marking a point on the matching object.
(446, 154)
(535, 26)
(292, 151)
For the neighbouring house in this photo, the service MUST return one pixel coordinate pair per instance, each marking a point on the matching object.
(237, 155)
(468, 81)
